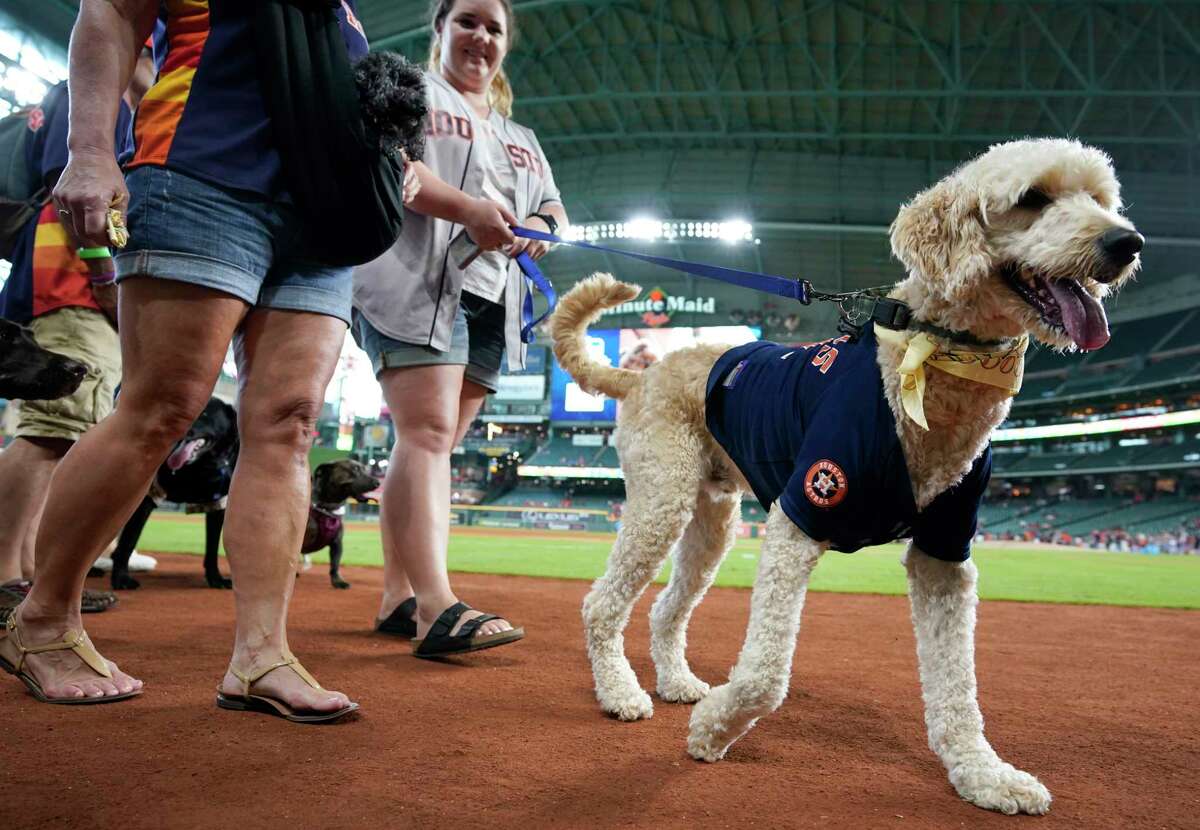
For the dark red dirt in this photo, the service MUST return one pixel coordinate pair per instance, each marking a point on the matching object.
(1101, 703)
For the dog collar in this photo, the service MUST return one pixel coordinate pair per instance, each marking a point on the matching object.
(861, 307)
(1002, 368)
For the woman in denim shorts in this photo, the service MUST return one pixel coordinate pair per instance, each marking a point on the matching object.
(436, 332)
(216, 254)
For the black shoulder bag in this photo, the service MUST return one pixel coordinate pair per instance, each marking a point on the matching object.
(345, 183)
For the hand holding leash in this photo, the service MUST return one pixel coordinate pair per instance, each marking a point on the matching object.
(489, 224)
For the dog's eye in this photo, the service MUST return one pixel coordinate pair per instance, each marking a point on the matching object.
(1033, 199)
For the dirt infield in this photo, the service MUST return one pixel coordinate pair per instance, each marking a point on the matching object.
(1101, 703)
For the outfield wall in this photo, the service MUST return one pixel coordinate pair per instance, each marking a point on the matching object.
(552, 518)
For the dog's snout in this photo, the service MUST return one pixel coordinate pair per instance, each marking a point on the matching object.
(1121, 245)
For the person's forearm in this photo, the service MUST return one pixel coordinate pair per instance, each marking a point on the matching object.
(105, 43)
(559, 213)
(436, 198)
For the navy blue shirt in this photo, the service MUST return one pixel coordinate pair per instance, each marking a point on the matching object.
(205, 115)
(809, 426)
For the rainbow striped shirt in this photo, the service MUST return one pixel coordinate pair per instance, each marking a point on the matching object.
(46, 273)
(205, 115)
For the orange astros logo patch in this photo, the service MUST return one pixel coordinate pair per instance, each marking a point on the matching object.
(825, 484)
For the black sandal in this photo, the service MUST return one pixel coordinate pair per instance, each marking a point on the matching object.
(439, 642)
(402, 622)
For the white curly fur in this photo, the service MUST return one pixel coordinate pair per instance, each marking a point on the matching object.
(684, 493)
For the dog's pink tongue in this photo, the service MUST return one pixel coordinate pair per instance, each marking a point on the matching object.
(183, 454)
(1082, 314)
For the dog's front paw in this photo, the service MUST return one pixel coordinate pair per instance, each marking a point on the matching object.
(632, 705)
(218, 581)
(338, 582)
(1000, 786)
(124, 582)
(715, 725)
(686, 688)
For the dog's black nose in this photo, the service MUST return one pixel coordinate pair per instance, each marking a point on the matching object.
(1121, 245)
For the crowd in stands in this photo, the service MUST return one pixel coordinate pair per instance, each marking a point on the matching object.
(1135, 523)
(1184, 540)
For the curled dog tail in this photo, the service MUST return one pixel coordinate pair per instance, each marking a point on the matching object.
(580, 307)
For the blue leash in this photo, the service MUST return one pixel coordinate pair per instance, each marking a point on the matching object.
(780, 286)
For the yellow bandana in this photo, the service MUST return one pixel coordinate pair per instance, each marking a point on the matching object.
(1003, 368)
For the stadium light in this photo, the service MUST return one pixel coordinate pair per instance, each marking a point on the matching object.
(643, 228)
(27, 69)
(1109, 425)
(736, 230)
(647, 229)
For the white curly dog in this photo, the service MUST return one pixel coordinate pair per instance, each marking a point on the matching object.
(1026, 239)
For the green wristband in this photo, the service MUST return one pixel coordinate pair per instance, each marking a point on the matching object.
(100, 252)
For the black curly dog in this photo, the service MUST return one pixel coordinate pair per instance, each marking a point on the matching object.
(30, 373)
(197, 472)
(391, 95)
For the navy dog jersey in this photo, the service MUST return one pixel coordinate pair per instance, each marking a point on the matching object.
(809, 426)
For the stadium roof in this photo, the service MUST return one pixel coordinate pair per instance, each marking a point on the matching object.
(814, 120)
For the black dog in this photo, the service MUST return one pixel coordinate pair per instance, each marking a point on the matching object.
(196, 473)
(30, 373)
(333, 483)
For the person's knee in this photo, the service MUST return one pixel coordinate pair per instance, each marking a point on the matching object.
(163, 417)
(431, 432)
(286, 421)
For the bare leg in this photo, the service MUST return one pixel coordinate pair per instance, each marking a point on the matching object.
(26, 467)
(759, 681)
(943, 601)
(285, 360)
(662, 483)
(396, 587)
(697, 557)
(425, 402)
(173, 340)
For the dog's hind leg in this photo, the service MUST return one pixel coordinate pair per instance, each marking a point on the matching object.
(214, 523)
(661, 489)
(707, 539)
(943, 601)
(759, 681)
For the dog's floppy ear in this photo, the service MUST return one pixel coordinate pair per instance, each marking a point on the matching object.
(939, 234)
(321, 474)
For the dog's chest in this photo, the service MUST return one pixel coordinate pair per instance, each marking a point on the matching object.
(322, 528)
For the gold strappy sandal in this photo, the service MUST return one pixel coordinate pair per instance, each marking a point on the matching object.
(76, 641)
(246, 702)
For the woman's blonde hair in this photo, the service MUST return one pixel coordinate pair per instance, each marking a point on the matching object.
(500, 94)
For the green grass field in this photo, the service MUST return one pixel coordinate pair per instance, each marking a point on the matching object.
(1024, 574)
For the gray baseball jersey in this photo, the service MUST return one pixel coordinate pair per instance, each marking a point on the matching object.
(410, 293)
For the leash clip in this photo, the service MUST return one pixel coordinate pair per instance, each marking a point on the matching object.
(854, 313)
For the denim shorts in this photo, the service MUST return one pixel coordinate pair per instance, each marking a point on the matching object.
(476, 342)
(240, 243)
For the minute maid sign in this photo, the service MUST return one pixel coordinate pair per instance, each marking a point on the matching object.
(657, 307)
